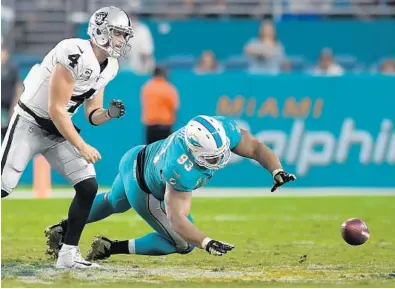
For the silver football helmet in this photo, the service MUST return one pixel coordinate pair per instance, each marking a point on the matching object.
(110, 28)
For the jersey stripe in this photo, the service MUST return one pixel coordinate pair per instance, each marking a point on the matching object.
(211, 129)
(8, 144)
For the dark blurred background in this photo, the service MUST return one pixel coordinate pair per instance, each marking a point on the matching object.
(312, 78)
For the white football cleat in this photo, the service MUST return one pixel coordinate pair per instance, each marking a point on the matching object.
(70, 257)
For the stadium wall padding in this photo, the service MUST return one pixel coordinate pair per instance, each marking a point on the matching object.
(367, 40)
(330, 131)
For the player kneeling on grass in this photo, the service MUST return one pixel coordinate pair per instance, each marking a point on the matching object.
(157, 181)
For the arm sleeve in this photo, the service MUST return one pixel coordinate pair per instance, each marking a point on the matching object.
(68, 53)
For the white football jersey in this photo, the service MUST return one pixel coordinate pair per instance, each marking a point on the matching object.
(77, 56)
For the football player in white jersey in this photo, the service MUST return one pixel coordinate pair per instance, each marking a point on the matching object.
(74, 72)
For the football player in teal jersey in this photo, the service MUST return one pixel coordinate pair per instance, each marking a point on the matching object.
(157, 181)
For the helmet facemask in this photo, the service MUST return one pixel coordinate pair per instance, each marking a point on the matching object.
(118, 40)
(214, 161)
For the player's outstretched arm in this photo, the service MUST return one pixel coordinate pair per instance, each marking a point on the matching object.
(60, 90)
(251, 147)
(97, 115)
(178, 205)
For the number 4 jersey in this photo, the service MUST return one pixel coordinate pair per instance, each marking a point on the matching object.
(77, 56)
(170, 161)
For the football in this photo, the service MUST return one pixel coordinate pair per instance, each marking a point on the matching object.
(355, 232)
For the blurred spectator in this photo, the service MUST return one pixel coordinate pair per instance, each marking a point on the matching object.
(388, 67)
(207, 63)
(218, 6)
(266, 51)
(208, 7)
(326, 64)
(7, 23)
(286, 66)
(11, 88)
(141, 57)
(310, 6)
(159, 101)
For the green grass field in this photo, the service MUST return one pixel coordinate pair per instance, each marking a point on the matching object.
(280, 242)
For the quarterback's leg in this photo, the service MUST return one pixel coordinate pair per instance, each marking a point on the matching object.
(21, 142)
(66, 160)
(104, 205)
(112, 202)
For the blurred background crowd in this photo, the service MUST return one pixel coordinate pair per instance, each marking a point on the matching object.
(31, 27)
(270, 64)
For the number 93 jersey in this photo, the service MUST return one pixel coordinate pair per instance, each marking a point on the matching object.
(170, 161)
(77, 56)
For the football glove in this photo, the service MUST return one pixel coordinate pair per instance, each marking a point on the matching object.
(116, 109)
(280, 178)
(217, 248)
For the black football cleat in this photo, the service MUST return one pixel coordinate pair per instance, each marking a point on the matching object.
(100, 249)
(55, 237)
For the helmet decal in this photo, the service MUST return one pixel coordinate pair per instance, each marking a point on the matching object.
(100, 17)
(192, 139)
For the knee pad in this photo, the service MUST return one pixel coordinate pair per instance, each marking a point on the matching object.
(87, 189)
(187, 250)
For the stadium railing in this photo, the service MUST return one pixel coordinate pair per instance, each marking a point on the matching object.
(253, 7)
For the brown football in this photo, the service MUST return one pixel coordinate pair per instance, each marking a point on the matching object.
(355, 232)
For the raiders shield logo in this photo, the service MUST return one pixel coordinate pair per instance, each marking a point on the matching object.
(101, 17)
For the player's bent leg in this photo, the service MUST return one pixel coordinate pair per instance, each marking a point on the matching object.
(104, 204)
(152, 244)
(166, 241)
(153, 212)
(66, 160)
(113, 202)
(64, 232)
(69, 255)
(21, 142)
(149, 208)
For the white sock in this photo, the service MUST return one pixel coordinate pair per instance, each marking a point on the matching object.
(68, 247)
(131, 245)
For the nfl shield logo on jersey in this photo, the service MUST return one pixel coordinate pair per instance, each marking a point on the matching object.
(87, 74)
(101, 17)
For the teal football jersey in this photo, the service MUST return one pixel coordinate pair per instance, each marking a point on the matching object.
(170, 161)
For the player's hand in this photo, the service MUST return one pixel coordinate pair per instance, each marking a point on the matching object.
(280, 178)
(217, 248)
(89, 153)
(116, 109)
